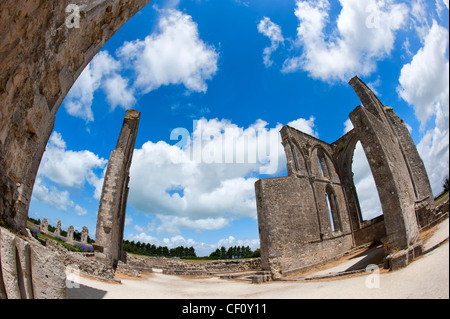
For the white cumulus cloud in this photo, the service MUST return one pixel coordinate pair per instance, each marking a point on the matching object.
(424, 84)
(174, 54)
(364, 34)
(68, 168)
(101, 72)
(208, 182)
(51, 196)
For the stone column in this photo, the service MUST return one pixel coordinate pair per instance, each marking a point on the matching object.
(84, 235)
(112, 209)
(69, 237)
(44, 226)
(390, 171)
(58, 229)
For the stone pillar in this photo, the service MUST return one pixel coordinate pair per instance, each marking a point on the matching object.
(44, 226)
(389, 168)
(84, 235)
(69, 237)
(58, 229)
(112, 209)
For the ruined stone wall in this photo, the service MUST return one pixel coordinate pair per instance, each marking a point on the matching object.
(298, 226)
(391, 177)
(86, 265)
(176, 266)
(40, 59)
(343, 151)
(370, 231)
(416, 167)
(424, 200)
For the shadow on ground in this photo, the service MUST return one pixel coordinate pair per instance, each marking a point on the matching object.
(85, 292)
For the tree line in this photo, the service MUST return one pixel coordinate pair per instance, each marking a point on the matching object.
(187, 252)
(235, 252)
(153, 250)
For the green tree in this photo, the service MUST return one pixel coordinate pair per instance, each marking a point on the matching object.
(446, 185)
(215, 254)
(223, 253)
(256, 253)
(191, 252)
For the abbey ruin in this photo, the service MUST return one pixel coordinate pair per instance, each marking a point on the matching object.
(313, 215)
(41, 56)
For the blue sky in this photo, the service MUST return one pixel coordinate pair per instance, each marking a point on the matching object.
(225, 76)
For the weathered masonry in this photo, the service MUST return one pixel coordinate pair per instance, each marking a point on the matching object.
(113, 201)
(41, 56)
(313, 215)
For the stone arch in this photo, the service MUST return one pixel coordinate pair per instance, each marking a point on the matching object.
(39, 62)
(363, 231)
(344, 149)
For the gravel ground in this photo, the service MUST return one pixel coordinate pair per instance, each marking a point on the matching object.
(427, 277)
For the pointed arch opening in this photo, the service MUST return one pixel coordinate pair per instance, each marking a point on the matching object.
(369, 201)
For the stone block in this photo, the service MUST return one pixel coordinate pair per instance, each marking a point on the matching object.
(8, 266)
(404, 257)
(48, 274)
(29, 270)
(24, 269)
(398, 260)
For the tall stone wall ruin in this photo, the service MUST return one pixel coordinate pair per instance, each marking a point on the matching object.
(303, 218)
(313, 215)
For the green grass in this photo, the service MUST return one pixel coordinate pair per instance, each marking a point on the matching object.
(62, 242)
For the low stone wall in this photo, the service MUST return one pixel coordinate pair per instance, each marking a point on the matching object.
(176, 266)
(443, 208)
(81, 261)
(371, 231)
(229, 266)
(441, 212)
(29, 270)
